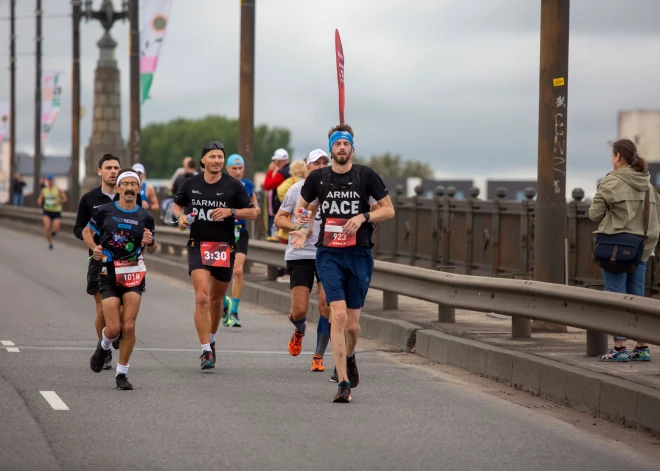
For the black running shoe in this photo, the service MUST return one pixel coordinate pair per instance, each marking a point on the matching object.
(334, 378)
(343, 392)
(108, 360)
(97, 360)
(352, 372)
(122, 382)
(213, 350)
(115, 342)
(208, 360)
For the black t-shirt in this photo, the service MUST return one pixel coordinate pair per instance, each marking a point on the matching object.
(120, 232)
(204, 197)
(178, 181)
(341, 199)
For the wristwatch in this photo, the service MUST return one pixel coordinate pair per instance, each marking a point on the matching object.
(233, 212)
(367, 216)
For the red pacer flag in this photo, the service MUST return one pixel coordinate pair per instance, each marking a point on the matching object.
(339, 52)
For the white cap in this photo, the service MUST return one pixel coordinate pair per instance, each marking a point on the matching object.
(139, 168)
(315, 155)
(281, 154)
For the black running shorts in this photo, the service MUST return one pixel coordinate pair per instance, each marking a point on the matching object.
(93, 273)
(242, 243)
(195, 263)
(302, 273)
(109, 289)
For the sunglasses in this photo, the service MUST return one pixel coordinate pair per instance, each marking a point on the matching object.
(214, 145)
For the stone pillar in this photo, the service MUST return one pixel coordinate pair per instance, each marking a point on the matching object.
(106, 120)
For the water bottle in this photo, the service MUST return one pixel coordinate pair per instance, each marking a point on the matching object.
(191, 219)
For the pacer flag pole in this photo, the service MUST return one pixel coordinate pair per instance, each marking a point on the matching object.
(339, 53)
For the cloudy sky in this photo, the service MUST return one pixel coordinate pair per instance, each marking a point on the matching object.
(449, 82)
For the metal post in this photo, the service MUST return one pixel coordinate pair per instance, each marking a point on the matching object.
(37, 108)
(390, 300)
(550, 231)
(134, 20)
(74, 191)
(12, 95)
(246, 89)
(596, 344)
(446, 313)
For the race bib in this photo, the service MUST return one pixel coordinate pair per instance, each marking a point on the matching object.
(333, 234)
(129, 274)
(215, 254)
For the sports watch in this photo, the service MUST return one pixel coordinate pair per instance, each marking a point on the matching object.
(233, 212)
(367, 216)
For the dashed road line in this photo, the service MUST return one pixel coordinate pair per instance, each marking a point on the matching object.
(11, 348)
(54, 400)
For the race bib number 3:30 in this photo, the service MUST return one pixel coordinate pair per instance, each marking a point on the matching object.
(215, 254)
(129, 274)
(333, 234)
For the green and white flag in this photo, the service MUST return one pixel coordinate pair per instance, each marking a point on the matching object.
(51, 101)
(154, 16)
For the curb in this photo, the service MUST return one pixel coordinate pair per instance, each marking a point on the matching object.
(616, 400)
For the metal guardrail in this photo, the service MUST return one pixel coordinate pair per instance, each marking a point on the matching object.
(632, 316)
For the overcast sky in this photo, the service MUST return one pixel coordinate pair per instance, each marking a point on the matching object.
(450, 82)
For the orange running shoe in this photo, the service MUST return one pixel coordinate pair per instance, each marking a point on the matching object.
(295, 344)
(317, 363)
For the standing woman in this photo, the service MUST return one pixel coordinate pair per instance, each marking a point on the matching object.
(618, 207)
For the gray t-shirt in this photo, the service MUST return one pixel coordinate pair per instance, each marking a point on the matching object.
(290, 204)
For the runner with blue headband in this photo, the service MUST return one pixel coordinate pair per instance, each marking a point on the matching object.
(344, 261)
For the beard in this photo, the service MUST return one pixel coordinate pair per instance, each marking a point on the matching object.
(341, 159)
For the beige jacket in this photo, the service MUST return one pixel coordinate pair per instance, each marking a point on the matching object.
(618, 206)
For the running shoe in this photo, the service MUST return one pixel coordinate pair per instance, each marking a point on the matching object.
(334, 378)
(97, 360)
(226, 320)
(317, 362)
(295, 344)
(352, 372)
(50, 246)
(343, 392)
(208, 360)
(642, 354)
(615, 355)
(122, 382)
(213, 350)
(115, 342)
(108, 360)
(234, 321)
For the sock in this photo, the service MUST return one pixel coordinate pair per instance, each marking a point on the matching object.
(121, 369)
(618, 349)
(299, 325)
(226, 302)
(350, 359)
(234, 305)
(106, 343)
(206, 347)
(322, 336)
(212, 339)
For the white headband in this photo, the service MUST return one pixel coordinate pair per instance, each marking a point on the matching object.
(126, 175)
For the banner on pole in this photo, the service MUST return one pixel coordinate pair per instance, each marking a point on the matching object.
(339, 53)
(51, 101)
(154, 17)
(4, 121)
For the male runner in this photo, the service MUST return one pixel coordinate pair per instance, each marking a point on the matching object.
(236, 168)
(52, 198)
(301, 265)
(343, 257)
(216, 200)
(147, 191)
(125, 230)
(109, 166)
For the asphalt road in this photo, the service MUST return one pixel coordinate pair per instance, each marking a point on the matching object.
(260, 409)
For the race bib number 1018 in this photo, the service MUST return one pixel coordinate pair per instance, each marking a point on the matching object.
(129, 274)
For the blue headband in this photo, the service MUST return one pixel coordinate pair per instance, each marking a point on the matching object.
(335, 136)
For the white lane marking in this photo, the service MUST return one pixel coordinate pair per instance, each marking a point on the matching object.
(54, 400)
(13, 350)
(7, 343)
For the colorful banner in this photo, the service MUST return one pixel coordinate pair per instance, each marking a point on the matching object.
(154, 16)
(51, 101)
(4, 121)
(339, 54)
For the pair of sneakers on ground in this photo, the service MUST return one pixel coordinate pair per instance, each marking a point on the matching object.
(228, 319)
(638, 354)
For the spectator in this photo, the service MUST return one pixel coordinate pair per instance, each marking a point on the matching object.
(278, 171)
(17, 185)
(626, 204)
(179, 171)
(189, 170)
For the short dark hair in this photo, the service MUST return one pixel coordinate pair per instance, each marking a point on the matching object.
(191, 164)
(107, 157)
(341, 127)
